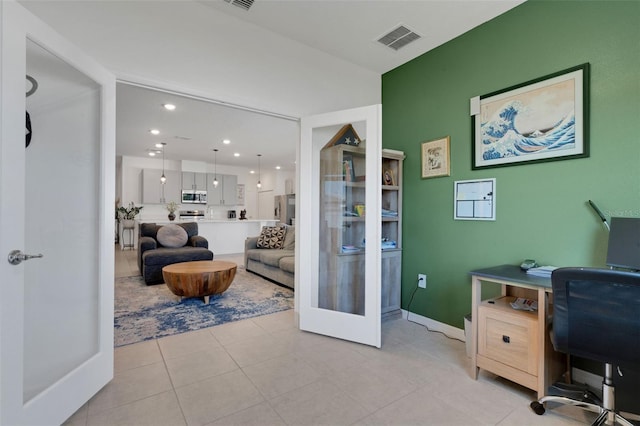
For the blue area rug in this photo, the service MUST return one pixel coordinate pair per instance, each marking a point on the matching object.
(147, 312)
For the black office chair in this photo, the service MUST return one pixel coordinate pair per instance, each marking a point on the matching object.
(596, 315)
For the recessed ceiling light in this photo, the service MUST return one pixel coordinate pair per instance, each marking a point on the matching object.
(152, 154)
(277, 167)
(252, 172)
(226, 141)
(158, 145)
(236, 154)
(154, 131)
(169, 107)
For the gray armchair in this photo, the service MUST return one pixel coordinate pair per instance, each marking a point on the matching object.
(152, 256)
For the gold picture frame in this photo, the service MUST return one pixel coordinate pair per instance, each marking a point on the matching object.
(436, 158)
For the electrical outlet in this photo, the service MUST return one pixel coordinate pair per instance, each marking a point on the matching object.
(422, 280)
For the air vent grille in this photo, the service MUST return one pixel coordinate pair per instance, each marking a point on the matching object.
(243, 4)
(398, 37)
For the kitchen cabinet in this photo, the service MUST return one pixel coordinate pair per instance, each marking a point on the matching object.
(154, 192)
(225, 194)
(194, 180)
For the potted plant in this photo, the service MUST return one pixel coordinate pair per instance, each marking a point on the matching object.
(128, 214)
(172, 207)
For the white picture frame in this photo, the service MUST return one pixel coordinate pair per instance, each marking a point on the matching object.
(474, 199)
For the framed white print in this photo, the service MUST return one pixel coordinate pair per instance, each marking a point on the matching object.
(474, 199)
(540, 120)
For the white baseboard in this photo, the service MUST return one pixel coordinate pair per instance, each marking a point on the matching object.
(433, 325)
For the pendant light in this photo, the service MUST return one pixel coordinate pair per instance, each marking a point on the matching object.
(163, 178)
(215, 167)
(259, 183)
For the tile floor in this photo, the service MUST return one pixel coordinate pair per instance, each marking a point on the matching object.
(264, 371)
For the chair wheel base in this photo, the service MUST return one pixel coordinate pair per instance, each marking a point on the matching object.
(537, 408)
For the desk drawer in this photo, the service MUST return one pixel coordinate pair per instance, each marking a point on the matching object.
(510, 338)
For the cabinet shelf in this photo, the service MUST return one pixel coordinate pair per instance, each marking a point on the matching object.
(354, 219)
(343, 192)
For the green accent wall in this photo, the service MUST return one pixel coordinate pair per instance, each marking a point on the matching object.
(542, 211)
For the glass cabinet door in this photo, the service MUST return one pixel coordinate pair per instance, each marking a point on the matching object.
(339, 225)
(341, 269)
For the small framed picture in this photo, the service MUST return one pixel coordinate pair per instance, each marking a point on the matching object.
(388, 177)
(435, 158)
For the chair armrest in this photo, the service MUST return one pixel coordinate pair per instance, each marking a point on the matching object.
(198, 241)
(145, 244)
(250, 243)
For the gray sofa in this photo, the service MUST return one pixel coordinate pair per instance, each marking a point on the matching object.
(277, 265)
(152, 256)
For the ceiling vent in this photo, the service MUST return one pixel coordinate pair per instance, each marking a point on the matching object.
(243, 4)
(398, 37)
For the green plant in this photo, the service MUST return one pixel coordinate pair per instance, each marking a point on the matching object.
(129, 213)
(172, 206)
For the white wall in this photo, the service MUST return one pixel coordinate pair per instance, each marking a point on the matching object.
(188, 47)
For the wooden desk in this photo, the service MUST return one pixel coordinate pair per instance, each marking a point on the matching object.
(514, 344)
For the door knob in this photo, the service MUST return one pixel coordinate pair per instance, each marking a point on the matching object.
(16, 257)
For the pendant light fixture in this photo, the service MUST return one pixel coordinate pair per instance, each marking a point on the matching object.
(163, 178)
(215, 167)
(259, 183)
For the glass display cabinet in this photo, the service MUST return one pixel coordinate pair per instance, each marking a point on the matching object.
(350, 199)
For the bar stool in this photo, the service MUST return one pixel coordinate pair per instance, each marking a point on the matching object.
(128, 226)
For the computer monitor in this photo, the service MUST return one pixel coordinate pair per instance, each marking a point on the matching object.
(624, 243)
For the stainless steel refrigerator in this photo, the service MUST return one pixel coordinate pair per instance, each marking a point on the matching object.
(285, 208)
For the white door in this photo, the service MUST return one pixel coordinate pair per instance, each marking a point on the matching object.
(338, 244)
(56, 199)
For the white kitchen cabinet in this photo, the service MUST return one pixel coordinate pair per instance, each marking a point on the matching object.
(194, 180)
(225, 194)
(154, 192)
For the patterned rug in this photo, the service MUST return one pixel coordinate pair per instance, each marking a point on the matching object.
(147, 312)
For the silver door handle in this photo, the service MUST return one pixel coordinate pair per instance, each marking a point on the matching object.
(16, 257)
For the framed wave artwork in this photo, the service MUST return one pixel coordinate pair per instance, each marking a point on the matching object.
(545, 119)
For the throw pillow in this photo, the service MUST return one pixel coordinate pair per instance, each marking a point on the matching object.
(172, 236)
(271, 237)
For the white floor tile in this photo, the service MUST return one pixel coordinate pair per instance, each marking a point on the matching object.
(130, 386)
(264, 371)
(196, 366)
(280, 375)
(320, 403)
(158, 410)
(220, 396)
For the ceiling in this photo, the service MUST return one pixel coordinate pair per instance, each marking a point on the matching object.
(197, 126)
(347, 29)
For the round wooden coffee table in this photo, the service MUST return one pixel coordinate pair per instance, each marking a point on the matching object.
(200, 278)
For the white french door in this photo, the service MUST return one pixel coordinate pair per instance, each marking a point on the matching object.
(56, 200)
(338, 244)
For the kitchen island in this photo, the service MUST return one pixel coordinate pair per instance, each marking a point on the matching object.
(225, 236)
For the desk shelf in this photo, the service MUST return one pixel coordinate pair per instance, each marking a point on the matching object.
(511, 343)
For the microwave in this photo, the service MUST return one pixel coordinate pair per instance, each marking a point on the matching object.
(194, 197)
